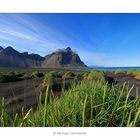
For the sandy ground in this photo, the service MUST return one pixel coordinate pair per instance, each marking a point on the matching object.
(20, 93)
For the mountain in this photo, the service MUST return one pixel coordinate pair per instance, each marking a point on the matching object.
(1, 48)
(63, 58)
(9, 57)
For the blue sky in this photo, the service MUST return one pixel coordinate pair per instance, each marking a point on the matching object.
(99, 39)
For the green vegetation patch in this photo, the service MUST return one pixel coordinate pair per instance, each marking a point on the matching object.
(50, 77)
(8, 77)
(26, 76)
(133, 71)
(37, 74)
(97, 75)
(120, 71)
(68, 75)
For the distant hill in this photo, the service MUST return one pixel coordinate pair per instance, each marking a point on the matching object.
(63, 58)
(9, 57)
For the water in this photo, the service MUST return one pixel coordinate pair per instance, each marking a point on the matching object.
(73, 69)
(104, 68)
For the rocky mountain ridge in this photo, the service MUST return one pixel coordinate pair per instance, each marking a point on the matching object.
(9, 57)
(63, 58)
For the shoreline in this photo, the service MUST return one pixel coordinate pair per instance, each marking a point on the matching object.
(84, 69)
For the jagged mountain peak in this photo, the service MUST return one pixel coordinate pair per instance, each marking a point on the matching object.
(10, 48)
(1, 48)
(68, 49)
(63, 58)
(10, 51)
(25, 53)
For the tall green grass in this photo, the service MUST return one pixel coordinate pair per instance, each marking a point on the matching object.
(86, 104)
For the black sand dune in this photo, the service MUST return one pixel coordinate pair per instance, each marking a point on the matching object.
(20, 93)
(120, 79)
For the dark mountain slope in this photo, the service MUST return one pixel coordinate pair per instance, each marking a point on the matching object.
(9, 57)
(63, 58)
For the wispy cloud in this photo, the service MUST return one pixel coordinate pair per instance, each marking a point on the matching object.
(18, 28)
(23, 36)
